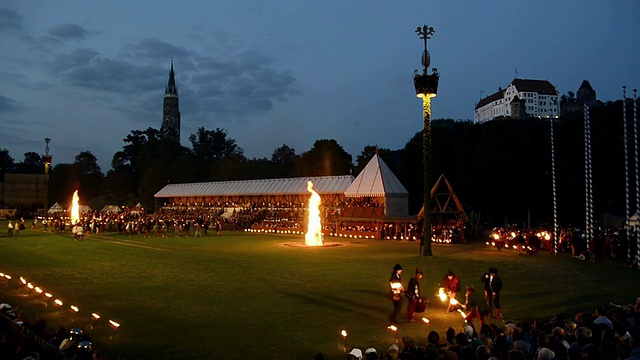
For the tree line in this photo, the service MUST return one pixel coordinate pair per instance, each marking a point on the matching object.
(500, 170)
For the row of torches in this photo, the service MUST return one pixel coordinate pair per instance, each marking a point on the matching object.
(351, 236)
(59, 302)
(441, 294)
(543, 235)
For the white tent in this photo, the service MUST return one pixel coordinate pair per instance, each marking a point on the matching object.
(111, 208)
(138, 209)
(376, 180)
(81, 209)
(55, 208)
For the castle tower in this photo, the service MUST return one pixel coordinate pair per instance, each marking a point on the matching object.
(171, 109)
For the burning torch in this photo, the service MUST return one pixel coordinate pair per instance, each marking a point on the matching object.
(343, 332)
(395, 330)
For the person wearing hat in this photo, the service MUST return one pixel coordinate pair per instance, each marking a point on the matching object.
(395, 291)
(355, 354)
(371, 354)
(492, 288)
(393, 352)
(413, 293)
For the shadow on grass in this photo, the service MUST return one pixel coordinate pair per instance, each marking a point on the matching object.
(336, 303)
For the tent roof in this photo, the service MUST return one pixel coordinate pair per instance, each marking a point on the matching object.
(284, 186)
(111, 208)
(81, 208)
(56, 206)
(376, 180)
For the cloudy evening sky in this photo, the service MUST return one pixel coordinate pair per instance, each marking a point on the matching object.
(86, 73)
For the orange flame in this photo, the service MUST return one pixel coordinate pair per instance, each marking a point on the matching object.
(313, 237)
(442, 295)
(75, 208)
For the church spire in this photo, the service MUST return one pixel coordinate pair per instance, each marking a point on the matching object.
(171, 85)
(171, 108)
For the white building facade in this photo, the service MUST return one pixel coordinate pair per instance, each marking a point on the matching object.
(523, 98)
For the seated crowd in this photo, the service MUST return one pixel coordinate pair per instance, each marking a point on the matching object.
(611, 332)
(188, 221)
(26, 339)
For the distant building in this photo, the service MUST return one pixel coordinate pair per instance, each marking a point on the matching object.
(171, 108)
(585, 94)
(22, 190)
(523, 98)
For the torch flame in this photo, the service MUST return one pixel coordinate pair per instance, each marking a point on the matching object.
(442, 295)
(426, 321)
(392, 328)
(464, 316)
(114, 324)
(343, 333)
(454, 302)
(95, 316)
(75, 213)
(313, 237)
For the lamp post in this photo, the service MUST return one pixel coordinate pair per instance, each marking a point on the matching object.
(426, 87)
(46, 159)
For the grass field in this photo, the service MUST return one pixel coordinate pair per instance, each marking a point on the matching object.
(243, 295)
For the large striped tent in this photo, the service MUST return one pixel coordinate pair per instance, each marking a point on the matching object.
(283, 190)
(376, 184)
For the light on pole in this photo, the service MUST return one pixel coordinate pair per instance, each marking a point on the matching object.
(46, 159)
(426, 87)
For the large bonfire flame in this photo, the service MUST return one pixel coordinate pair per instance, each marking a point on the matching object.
(313, 237)
(75, 212)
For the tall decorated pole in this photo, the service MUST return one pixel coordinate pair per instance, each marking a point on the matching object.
(635, 127)
(626, 171)
(588, 176)
(46, 160)
(426, 87)
(553, 184)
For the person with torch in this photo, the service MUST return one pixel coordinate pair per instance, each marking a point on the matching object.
(395, 291)
(413, 294)
(451, 284)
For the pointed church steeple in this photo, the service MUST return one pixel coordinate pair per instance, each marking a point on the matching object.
(171, 85)
(171, 108)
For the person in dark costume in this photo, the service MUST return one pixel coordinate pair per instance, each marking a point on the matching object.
(492, 288)
(413, 294)
(395, 291)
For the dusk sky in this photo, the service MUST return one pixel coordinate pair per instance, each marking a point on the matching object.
(86, 73)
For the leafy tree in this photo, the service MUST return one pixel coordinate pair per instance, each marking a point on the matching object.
(88, 173)
(233, 167)
(63, 181)
(146, 150)
(284, 160)
(32, 164)
(211, 145)
(7, 163)
(326, 158)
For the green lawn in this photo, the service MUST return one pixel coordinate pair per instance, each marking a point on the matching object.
(243, 295)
